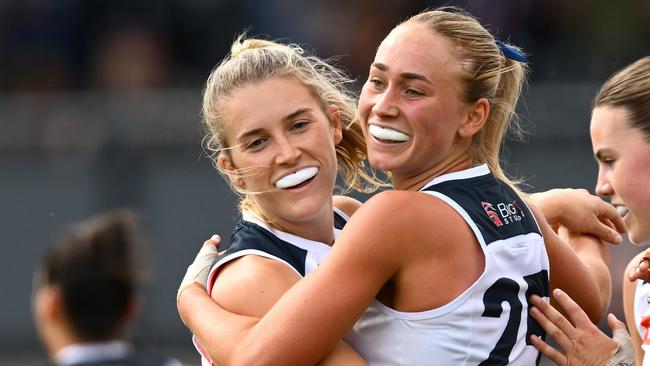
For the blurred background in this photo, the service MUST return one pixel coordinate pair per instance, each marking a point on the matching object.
(100, 101)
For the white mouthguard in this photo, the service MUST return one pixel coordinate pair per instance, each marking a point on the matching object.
(296, 178)
(387, 134)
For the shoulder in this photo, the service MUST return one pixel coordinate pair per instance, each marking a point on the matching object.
(547, 232)
(346, 204)
(631, 265)
(629, 287)
(406, 217)
(629, 304)
(536, 211)
(406, 206)
(250, 285)
(252, 269)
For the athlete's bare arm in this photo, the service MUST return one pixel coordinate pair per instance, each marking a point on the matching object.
(250, 286)
(581, 212)
(346, 204)
(580, 268)
(376, 246)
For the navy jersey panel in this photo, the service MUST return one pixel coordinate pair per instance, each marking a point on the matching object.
(493, 205)
(339, 221)
(248, 235)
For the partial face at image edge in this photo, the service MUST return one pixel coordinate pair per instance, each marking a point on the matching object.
(623, 156)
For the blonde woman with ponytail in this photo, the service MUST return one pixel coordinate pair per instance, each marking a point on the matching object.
(438, 270)
(279, 126)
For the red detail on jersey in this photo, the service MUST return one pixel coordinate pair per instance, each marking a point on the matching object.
(519, 208)
(492, 213)
(202, 350)
(645, 322)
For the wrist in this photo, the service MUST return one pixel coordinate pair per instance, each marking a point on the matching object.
(185, 295)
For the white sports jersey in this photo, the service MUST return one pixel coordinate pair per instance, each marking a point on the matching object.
(642, 316)
(488, 324)
(252, 236)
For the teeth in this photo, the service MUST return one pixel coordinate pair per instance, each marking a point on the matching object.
(296, 178)
(622, 210)
(387, 134)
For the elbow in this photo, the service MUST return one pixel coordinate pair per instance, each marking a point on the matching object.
(596, 311)
(596, 315)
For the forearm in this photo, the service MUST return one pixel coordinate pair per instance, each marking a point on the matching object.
(220, 332)
(595, 256)
(231, 339)
(343, 354)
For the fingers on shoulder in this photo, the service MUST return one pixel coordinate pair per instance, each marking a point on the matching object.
(346, 204)
(634, 262)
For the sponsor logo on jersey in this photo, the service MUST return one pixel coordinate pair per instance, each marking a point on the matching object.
(503, 213)
(492, 214)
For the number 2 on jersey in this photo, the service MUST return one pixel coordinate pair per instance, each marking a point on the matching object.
(506, 289)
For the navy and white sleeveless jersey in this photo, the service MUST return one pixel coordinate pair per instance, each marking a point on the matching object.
(252, 236)
(642, 317)
(488, 324)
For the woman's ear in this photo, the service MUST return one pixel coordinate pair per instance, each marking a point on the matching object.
(226, 166)
(334, 115)
(475, 118)
(48, 304)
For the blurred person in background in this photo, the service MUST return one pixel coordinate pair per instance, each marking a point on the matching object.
(130, 58)
(85, 294)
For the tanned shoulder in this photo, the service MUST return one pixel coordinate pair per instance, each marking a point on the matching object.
(251, 284)
(346, 204)
(410, 218)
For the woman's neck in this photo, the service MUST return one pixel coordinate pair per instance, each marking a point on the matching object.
(317, 228)
(414, 182)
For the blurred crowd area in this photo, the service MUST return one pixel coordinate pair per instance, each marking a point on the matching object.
(55, 45)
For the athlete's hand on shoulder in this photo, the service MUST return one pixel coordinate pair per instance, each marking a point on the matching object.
(641, 271)
(346, 204)
(580, 212)
(198, 271)
(581, 342)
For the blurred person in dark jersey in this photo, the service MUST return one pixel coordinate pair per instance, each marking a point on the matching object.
(85, 294)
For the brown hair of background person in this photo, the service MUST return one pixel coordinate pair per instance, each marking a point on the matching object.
(86, 293)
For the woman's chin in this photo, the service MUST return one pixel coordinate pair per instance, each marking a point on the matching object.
(638, 237)
(382, 163)
(639, 240)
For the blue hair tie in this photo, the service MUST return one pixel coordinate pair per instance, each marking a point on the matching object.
(511, 52)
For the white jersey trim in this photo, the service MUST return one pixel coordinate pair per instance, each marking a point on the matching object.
(512, 242)
(311, 246)
(450, 306)
(300, 242)
(245, 252)
(463, 174)
(337, 232)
